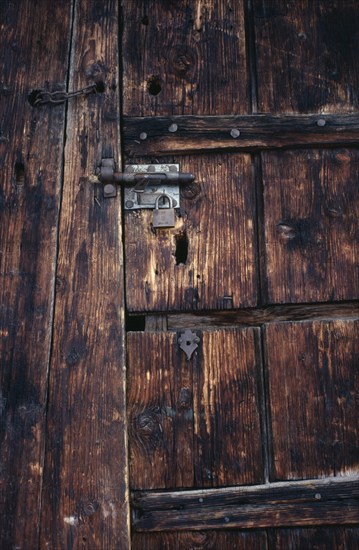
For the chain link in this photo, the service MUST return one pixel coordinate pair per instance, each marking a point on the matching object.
(43, 96)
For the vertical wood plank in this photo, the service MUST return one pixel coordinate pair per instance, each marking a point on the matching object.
(306, 55)
(311, 230)
(335, 538)
(209, 540)
(34, 43)
(184, 58)
(313, 381)
(208, 261)
(85, 502)
(228, 447)
(194, 423)
(160, 411)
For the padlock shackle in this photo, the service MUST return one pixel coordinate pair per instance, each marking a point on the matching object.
(170, 201)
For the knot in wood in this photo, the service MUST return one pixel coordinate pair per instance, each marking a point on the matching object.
(182, 60)
(146, 424)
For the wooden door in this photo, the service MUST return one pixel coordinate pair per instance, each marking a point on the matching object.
(252, 442)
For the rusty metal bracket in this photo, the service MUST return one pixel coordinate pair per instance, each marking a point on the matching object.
(188, 342)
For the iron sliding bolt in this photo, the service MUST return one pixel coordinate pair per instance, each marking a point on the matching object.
(139, 179)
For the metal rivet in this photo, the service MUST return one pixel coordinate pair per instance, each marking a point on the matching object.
(200, 500)
(235, 133)
(143, 135)
(129, 204)
(109, 190)
(226, 519)
(173, 128)
(318, 496)
(321, 122)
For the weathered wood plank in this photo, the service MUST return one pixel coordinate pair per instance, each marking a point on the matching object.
(306, 60)
(160, 412)
(208, 260)
(311, 228)
(209, 540)
(247, 517)
(194, 423)
(196, 134)
(321, 538)
(259, 316)
(313, 380)
(256, 506)
(34, 44)
(309, 490)
(85, 479)
(184, 58)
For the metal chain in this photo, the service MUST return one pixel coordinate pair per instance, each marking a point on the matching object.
(43, 96)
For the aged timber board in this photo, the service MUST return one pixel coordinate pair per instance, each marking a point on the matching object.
(195, 423)
(313, 380)
(208, 261)
(311, 229)
(34, 44)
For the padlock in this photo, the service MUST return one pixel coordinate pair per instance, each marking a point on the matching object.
(164, 217)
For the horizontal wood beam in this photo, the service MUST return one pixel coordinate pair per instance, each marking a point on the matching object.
(260, 316)
(192, 134)
(327, 501)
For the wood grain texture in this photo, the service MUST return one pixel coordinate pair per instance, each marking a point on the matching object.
(291, 492)
(209, 540)
(313, 380)
(259, 316)
(254, 506)
(85, 479)
(194, 423)
(218, 226)
(311, 229)
(247, 517)
(321, 538)
(34, 45)
(184, 58)
(196, 134)
(305, 53)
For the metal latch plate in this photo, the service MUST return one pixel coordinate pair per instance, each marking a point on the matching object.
(147, 198)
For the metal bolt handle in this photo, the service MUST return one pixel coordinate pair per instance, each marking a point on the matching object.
(140, 180)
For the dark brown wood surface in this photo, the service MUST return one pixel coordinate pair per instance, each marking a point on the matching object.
(194, 423)
(259, 316)
(322, 538)
(313, 381)
(305, 56)
(194, 134)
(325, 501)
(280, 492)
(184, 58)
(34, 46)
(206, 539)
(84, 501)
(218, 225)
(311, 230)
